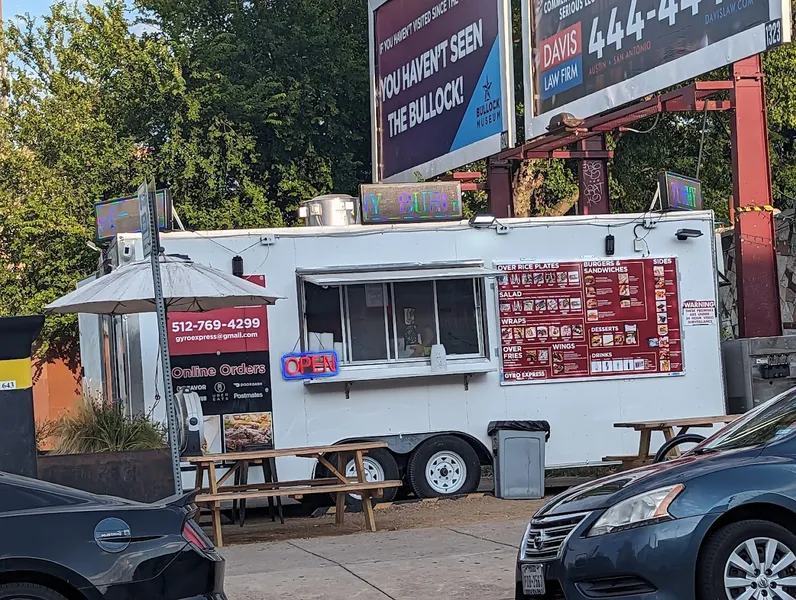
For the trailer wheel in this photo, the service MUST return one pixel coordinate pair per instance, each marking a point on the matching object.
(444, 466)
(380, 465)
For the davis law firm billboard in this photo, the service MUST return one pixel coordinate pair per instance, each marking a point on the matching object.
(587, 56)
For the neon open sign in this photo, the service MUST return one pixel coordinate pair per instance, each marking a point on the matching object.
(310, 365)
(411, 202)
(679, 193)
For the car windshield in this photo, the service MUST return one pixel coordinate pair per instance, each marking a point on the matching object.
(768, 422)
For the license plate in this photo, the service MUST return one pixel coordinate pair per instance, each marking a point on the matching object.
(533, 580)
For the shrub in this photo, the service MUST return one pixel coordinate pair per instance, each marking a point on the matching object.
(100, 426)
(45, 431)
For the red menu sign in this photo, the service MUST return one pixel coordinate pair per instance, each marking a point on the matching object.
(223, 330)
(589, 319)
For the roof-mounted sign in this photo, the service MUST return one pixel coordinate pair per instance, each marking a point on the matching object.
(123, 215)
(679, 193)
(411, 202)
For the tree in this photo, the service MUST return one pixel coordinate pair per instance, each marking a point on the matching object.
(62, 148)
(292, 75)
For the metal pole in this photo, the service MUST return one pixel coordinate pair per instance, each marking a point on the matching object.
(593, 179)
(160, 309)
(501, 200)
(755, 244)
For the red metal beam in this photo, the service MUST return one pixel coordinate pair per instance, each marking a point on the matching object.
(593, 179)
(501, 189)
(688, 98)
(566, 154)
(466, 175)
(755, 250)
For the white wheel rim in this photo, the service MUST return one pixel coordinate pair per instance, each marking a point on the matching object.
(760, 568)
(373, 472)
(446, 472)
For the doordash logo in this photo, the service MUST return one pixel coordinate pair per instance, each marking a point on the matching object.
(561, 61)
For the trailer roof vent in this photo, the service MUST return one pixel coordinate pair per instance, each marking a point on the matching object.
(330, 210)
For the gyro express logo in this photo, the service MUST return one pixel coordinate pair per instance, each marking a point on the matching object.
(560, 61)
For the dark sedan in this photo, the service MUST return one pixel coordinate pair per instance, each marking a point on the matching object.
(57, 543)
(715, 524)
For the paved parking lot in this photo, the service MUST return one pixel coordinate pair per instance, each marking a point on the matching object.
(467, 562)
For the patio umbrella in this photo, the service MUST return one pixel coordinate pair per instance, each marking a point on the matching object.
(187, 287)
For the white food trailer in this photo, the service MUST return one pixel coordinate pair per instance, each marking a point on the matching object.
(421, 334)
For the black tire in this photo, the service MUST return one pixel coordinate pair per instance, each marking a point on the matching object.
(28, 591)
(717, 549)
(389, 466)
(668, 446)
(419, 469)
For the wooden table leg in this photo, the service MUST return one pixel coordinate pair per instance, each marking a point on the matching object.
(219, 540)
(275, 479)
(339, 511)
(199, 479)
(367, 505)
(644, 445)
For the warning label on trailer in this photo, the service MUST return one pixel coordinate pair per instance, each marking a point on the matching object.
(699, 312)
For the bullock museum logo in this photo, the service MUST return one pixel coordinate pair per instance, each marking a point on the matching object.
(490, 111)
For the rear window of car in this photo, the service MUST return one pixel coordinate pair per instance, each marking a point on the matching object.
(14, 498)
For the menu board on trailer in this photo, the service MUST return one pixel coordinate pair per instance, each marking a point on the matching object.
(591, 319)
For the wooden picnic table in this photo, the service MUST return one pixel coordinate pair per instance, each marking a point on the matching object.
(338, 485)
(667, 427)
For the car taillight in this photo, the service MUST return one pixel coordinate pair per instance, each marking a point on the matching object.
(195, 536)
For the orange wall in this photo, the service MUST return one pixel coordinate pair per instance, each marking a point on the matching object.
(55, 392)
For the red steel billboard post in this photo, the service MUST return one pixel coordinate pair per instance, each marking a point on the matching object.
(755, 243)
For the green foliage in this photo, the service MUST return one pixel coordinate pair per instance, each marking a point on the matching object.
(62, 147)
(100, 426)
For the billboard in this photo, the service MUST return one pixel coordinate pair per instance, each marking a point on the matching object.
(587, 56)
(441, 85)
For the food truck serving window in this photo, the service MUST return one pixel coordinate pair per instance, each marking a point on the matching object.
(396, 315)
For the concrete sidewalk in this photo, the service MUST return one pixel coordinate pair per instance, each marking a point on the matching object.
(470, 562)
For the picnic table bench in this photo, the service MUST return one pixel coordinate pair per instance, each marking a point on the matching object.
(338, 485)
(667, 427)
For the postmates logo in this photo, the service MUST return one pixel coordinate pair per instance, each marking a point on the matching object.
(561, 61)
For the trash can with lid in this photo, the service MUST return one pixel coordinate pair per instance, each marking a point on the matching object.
(518, 450)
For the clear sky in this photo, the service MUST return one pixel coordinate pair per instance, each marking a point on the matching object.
(15, 7)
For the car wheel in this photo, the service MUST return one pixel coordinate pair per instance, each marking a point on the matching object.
(444, 466)
(28, 591)
(748, 560)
